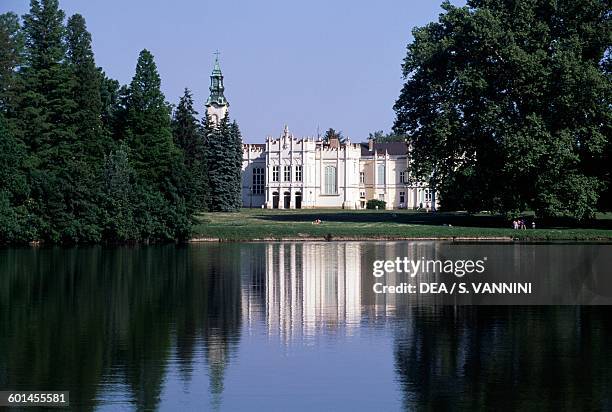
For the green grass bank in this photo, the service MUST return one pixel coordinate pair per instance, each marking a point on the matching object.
(266, 224)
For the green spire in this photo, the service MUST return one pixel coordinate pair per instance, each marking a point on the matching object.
(216, 85)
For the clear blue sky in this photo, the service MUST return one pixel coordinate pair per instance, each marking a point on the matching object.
(309, 63)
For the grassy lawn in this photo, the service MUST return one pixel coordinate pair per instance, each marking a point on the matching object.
(252, 224)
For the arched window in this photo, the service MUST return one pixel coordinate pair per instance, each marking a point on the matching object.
(331, 181)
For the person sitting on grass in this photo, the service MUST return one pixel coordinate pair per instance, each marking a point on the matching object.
(317, 222)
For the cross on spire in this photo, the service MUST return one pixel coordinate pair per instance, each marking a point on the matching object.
(217, 53)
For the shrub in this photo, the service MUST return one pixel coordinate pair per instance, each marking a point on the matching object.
(373, 203)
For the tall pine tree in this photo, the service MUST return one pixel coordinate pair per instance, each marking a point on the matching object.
(11, 57)
(224, 165)
(189, 137)
(86, 92)
(46, 125)
(236, 140)
(157, 161)
(16, 224)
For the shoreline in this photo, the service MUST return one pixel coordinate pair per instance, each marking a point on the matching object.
(459, 239)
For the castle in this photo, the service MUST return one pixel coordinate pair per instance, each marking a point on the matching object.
(295, 173)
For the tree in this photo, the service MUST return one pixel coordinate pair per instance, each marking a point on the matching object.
(507, 105)
(16, 224)
(11, 57)
(331, 134)
(237, 154)
(46, 126)
(224, 161)
(86, 92)
(162, 212)
(188, 136)
(380, 137)
(120, 197)
(148, 131)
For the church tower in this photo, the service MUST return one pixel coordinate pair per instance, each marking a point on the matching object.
(216, 105)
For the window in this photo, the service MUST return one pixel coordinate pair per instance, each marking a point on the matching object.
(275, 173)
(361, 177)
(427, 195)
(402, 177)
(258, 181)
(381, 175)
(402, 198)
(362, 195)
(287, 174)
(331, 185)
(298, 173)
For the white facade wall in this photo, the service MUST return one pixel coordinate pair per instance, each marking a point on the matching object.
(288, 153)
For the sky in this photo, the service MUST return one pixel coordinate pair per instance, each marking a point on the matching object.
(311, 64)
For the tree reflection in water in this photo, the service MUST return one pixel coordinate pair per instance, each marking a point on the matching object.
(100, 321)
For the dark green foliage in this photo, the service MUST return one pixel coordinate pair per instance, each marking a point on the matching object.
(11, 57)
(507, 105)
(380, 137)
(224, 160)
(82, 159)
(120, 196)
(189, 138)
(86, 92)
(376, 204)
(16, 225)
(162, 212)
(237, 155)
(148, 131)
(333, 134)
(48, 129)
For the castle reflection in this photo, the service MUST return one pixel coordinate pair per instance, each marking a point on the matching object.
(128, 326)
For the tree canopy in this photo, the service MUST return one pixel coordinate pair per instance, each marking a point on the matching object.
(507, 105)
(84, 159)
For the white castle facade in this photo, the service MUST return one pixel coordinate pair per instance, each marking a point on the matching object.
(295, 173)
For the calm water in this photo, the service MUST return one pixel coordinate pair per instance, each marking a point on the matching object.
(290, 326)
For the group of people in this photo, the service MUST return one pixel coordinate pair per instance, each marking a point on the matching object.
(520, 224)
(317, 222)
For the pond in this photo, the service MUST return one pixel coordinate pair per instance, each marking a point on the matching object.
(298, 326)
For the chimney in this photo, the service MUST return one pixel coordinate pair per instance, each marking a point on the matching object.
(371, 145)
(334, 142)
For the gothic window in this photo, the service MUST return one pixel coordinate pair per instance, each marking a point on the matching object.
(275, 173)
(298, 173)
(287, 174)
(258, 180)
(381, 175)
(331, 182)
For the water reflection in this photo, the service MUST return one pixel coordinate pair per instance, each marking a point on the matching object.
(208, 326)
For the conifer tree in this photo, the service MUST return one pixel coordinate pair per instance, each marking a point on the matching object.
(45, 123)
(157, 161)
(224, 161)
(11, 57)
(148, 131)
(188, 136)
(15, 223)
(120, 197)
(86, 89)
(236, 140)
